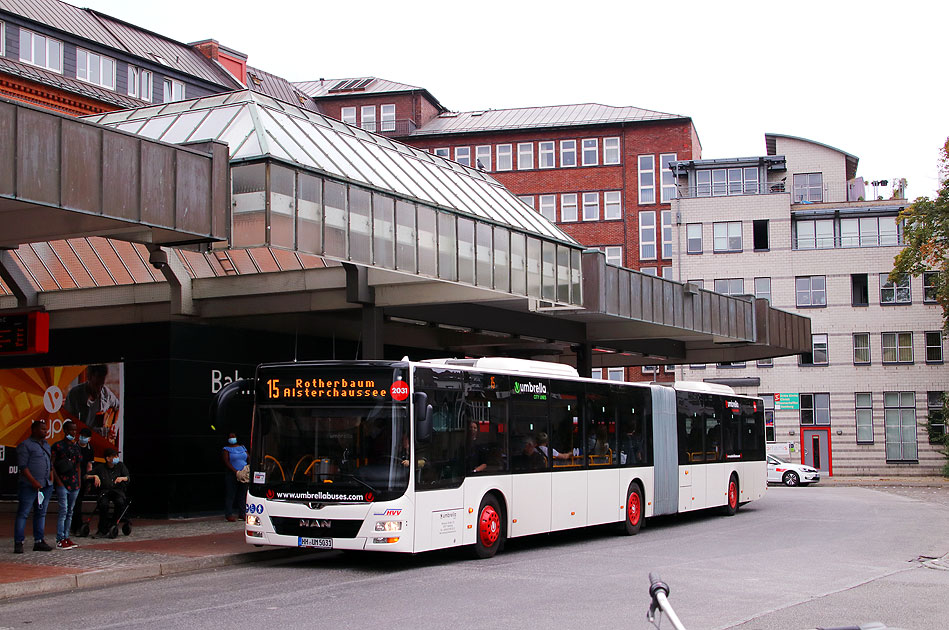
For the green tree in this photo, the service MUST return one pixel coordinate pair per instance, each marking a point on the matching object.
(926, 235)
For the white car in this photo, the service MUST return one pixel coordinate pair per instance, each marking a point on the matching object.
(780, 471)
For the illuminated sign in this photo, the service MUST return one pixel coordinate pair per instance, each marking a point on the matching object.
(321, 386)
(539, 390)
(24, 333)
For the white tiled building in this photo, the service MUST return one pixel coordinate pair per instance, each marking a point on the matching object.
(792, 227)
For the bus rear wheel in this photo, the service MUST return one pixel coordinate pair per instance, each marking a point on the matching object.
(732, 500)
(634, 510)
(490, 529)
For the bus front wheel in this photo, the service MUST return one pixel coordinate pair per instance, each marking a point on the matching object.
(490, 529)
(634, 510)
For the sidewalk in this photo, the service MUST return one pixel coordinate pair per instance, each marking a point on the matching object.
(154, 548)
(869, 482)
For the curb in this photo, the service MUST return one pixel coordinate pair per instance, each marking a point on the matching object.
(122, 575)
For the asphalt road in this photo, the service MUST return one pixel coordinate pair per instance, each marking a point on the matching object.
(800, 558)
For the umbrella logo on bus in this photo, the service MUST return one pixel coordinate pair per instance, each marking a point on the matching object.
(399, 390)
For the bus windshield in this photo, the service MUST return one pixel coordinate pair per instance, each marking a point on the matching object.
(330, 454)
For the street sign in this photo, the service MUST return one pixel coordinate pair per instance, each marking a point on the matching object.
(787, 401)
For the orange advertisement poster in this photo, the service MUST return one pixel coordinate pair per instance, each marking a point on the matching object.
(90, 395)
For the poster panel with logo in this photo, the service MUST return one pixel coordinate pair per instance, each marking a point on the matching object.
(90, 395)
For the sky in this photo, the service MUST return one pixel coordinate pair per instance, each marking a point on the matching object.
(864, 77)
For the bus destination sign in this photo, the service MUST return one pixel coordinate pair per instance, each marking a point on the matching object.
(24, 333)
(332, 386)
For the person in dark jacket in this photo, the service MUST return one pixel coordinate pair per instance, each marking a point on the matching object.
(111, 477)
(88, 459)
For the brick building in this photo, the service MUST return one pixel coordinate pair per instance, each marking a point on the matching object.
(599, 172)
(794, 227)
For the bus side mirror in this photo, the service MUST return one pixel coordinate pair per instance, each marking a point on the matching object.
(233, 407)
(423, 418)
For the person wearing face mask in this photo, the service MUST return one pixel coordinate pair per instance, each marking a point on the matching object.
(235, 490)
(111, 477)
(67, 462)
(85, 466)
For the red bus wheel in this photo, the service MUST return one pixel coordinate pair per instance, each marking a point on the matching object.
(490, 534)
(634, 510)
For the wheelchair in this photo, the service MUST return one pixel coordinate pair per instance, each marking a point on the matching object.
(121, 522)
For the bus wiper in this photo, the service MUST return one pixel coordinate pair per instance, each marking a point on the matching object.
(354, 478)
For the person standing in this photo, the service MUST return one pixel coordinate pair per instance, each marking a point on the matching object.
(235, 491)
(67, 462)
(34, 487)
(88, 458)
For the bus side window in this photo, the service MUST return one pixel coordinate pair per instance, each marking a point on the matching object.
(486, 416)
(444, 453)
(632, 416)
(691, 420)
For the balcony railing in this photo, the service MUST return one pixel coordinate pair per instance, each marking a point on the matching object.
(847, 242)
(731, 189)
(402, 127)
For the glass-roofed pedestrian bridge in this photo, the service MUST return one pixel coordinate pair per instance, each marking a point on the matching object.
(309, 183)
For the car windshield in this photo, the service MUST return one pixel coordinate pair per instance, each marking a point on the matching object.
(353, 451)
(779, 460)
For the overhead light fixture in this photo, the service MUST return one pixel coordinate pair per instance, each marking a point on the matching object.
(461, 329)
(534, 339)
(406, 320)
(495, 333)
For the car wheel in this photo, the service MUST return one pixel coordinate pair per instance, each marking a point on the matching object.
(634, 510)
(731, 505)
(489, 536)
(791, 479)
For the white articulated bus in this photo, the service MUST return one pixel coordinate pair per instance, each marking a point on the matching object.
(413, 456)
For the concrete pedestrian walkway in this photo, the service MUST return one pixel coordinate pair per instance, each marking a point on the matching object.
(154, 548)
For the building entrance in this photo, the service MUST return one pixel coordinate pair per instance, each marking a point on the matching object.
(815, 444)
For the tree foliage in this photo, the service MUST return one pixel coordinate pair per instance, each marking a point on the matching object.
(926, 235)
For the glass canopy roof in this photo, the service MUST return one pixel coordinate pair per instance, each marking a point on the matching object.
(255, 126)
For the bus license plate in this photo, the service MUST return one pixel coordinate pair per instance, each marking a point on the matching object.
(318, 543)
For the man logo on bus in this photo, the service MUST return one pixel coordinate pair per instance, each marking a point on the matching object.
(399, 390)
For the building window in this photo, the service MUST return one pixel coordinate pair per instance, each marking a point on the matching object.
(895, 293)
(545, 155)
(528, 199)
(591, 206)
(40, 50)
(760, 234)
(611, 151)
(3, 38)
(647, 235)
(525, 156)
(548, 207)
(729, 286)
(815, 408)
(861, 348)
(612, 205)
(649, 271)
(810, 291)
(387, 117)
(568, 153)
(614, 374)
(443, 152)
(899, 423)
(751, 180)
(505, 156)
(934, 346)
(929, 287)
(368, 117)
(808, 188)
(814, 234)
(666, 218)
(703, 183)
(763, 289)
(94, 68)
(590, 152)
(463, 155)
(140, 83)
(172, 91)
(647, 179)
(483, 157)
(818, 353)
(897, 347)
(859, 289)
(666, 273)
(568, 207)
(348, 116)
(719, 182)
(614, 255)
(863, 402)
(937, 420)
(667, 177)
(726, 237)
(871, 232)
(693, 235)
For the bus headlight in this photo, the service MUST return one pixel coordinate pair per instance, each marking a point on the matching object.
(388, 526)
(252, 520)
